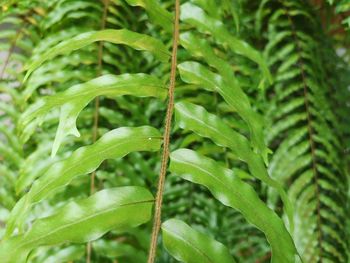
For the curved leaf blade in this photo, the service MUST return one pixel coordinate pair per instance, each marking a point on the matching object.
(117, 36)
(75, 99)
(195, 73)
(191, 246)
(114, 144)
(195, 118)
(196, 17)
(83, 221)
(156, 12)
(233, 192)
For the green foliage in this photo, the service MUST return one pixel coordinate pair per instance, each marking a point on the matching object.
(189, 245)
(231, 191)
(305, 134)
(82, 221)
(114, 144)
(258, 166)
(74, 99)
(122, 36)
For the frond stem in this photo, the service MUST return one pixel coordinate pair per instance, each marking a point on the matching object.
(165, 155)
(9, 53)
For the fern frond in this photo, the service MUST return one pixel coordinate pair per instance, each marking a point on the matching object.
(302, 134)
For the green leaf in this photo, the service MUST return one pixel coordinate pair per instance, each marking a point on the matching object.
(114, 144)
(64, 9)
(83, 221)
(156, 13)
(196, 17)
(195, 73)
(34, 165)
(233, 192)
(195, 118)
(11, 138)
(73, 100)
(191, 246)
(11, 156)
(121, 36)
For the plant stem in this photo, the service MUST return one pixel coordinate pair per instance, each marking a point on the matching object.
(11, 50)
(165, 155)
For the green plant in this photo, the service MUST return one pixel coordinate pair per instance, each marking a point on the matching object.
(252, 168)
(305, 133)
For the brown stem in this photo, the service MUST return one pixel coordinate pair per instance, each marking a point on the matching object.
(96, 115)
(165, 155)
(264, 258)
(12, 48)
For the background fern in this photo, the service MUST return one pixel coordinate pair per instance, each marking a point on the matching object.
(304, 132)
